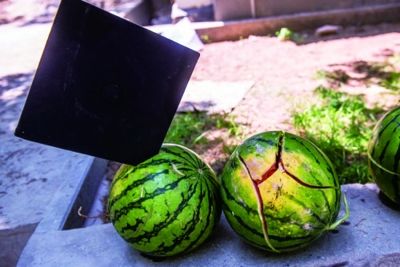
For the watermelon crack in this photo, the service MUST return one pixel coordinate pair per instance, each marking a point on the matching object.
(277, 165)
(260, 204)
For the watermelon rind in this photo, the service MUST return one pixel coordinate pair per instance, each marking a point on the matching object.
(384, 155)
(167, 205)
(280, 192)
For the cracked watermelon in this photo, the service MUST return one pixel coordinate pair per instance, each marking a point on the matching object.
(384, 155)
(166, 205)
(280, 192)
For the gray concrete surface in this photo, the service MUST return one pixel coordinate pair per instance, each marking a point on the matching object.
(30, 173)
(212, 96)
(370, 239)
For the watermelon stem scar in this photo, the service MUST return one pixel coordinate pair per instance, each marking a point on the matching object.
(279, 165)
(80, 214)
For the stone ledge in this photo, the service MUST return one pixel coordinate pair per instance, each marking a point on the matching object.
(371, 239)
(234, 30)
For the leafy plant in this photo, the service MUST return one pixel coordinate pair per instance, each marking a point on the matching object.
(341, 125)
(392, 81)
(284, 34)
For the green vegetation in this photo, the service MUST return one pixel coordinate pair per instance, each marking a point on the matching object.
(384, 74)
(190, 128)
(205, 38)
(284, 34)
(392, 81)
(341, 125)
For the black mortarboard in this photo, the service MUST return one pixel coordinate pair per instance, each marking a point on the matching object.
(105, 86)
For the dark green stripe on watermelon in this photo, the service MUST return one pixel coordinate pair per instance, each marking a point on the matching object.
(135, 184)
(167, 205)
(170, 218)
(186, 156)
(314, 152)
(116, 214)
(187, 230)
(390, 118)
(396, 178)
(229, 197)
(384, 155)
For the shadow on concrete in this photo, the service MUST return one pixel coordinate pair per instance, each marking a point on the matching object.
(15, 80)
(389, 203)
(198, 106)
(24, 18)
(41, 19)
(13, 91)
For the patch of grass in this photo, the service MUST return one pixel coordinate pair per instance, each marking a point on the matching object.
(286, 34)
(190, 129)
(392, 81)
(384, 74)
(205, 38)
(341, 125)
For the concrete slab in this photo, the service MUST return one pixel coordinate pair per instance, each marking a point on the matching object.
(30, 173)
(213, 97)
(21, 47)
(184, 34)
(371, 239)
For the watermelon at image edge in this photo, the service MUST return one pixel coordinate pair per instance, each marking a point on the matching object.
(167, 205)
(384, 155)
(280, 192)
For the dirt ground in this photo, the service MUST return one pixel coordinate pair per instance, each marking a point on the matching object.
(285, 72)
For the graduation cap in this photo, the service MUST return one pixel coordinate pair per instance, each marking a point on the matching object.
(105, 86)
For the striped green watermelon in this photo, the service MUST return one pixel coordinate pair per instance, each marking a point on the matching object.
(166, 205)
(384, 155)
(280, 192)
